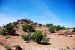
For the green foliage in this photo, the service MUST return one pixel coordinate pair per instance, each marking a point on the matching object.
(49, 25)
(26, 21)
(40, 24)
(74, 29)
(26, 37)
(2, 31)
(7, 28)
(18, 47)
(59, 27)
(52, 29)
(35, 23)
(63, 27)
(37, 36)
(40, 38)
(7, 47)
(14, 24)
(10, 28)
(28, 28)
(45, 39)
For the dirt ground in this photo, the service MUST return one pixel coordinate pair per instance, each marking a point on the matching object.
(56, 42)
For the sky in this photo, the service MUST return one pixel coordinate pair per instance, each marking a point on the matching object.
(58, 12)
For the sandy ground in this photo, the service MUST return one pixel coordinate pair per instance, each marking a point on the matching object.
(56, 42)
(1, 47)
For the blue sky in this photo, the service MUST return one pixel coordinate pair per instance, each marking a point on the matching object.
(58, 12)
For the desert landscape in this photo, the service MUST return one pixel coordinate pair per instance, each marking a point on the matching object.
(37, 24)
(58, 40)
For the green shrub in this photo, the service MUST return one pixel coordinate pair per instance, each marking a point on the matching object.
(49, 25)
(7, 47)
(10, 28)
(63, 27)
(25, 37)
(40, 24)
(52, 29)
(45, 39)
(14, 24)
(28, 28)
(18, 47)
(37, 36)
(2, 31)
(73, 29)
(59, 27)
(26, 20)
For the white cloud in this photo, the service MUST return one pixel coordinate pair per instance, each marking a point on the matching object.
(41, 8)
(4, 19)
